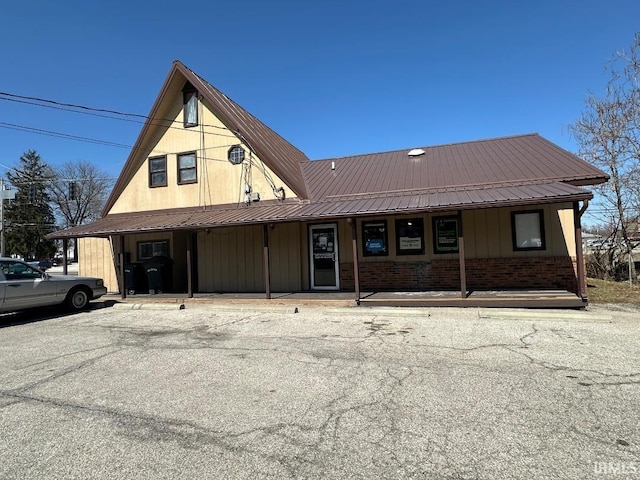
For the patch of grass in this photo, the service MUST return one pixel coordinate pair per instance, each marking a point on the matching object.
(606, 291)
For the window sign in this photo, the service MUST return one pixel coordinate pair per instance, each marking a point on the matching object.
(528, 230)
(445, 234)
(410, 236)
(374, 238)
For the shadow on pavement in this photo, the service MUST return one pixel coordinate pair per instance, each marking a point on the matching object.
(24, 317)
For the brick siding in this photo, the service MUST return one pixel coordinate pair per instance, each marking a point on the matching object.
(482, 274)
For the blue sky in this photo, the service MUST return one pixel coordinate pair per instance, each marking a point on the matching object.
(334, 78)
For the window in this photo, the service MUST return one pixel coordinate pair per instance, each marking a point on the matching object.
(374, 239)
(190, 104)
(445, 234)
(19, 271)
(158, 172)
(157, 248)
(410, 236)
(236, 155)
(527, 228)
(187, 168)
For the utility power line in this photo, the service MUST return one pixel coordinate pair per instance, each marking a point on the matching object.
(99, 112)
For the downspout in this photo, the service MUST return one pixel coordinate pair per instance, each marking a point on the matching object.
(265, 240)
(463, 270)
(356, 267)
(577, 217)
(123, 290)
(189, 264)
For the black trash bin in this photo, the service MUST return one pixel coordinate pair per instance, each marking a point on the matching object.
(135, 278)
(159, 272)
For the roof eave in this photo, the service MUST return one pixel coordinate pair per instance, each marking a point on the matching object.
(83, 232)
(196, 81)
(120, 184)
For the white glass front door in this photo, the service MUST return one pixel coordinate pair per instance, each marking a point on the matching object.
(323, 250)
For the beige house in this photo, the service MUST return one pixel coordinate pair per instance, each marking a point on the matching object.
(221, 203)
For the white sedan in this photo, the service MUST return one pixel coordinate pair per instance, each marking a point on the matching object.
(23, 286)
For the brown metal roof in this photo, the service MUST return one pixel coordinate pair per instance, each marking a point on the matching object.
(275, 152)
(364, 205)
(509, 171)
(502, 161)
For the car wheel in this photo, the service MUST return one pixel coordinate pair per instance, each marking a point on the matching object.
(77, 299)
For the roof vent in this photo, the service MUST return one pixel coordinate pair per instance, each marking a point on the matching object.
(416, 152)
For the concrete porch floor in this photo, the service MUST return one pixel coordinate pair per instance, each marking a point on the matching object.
(492, 298)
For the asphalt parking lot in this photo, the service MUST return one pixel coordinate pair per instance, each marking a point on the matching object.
(326, 393)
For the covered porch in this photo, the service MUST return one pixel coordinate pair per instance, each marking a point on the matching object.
(468, 278)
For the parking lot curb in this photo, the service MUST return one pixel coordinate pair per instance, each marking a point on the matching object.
(544, 315)
(379, 311)
(148, 306)
(253, 308)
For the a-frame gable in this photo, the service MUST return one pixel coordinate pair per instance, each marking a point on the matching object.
(275, 156)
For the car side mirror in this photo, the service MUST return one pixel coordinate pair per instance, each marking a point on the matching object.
(45, 276)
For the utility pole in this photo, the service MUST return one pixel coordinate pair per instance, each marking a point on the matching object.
(4, 195)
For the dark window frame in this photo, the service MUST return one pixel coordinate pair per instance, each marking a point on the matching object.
(365, 238)
(437, 248)
(180, 169)
(189, 97)
(152, 243)
(231, 155)
(514, 233)
(153, 184)
(420, 229)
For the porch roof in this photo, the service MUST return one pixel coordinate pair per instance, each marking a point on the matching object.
(340, 206)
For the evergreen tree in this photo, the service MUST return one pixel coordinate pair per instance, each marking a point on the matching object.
(29, 217)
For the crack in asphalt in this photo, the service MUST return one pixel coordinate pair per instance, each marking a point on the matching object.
(58, 374)
(379, 404)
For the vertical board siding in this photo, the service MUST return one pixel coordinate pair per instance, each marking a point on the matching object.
(230, 260)
(95, 259)
(285, 261)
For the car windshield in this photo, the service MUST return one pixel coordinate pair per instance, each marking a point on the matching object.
(19, 271)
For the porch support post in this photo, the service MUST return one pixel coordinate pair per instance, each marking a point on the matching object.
(123, 291)
(463, 274)
(65, 264)
(356, 265)
(189, 265)
(577, 216)
(265, 239)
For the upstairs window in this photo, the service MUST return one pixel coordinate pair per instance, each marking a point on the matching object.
(236, 155)
(527, 229)
(187, 168)
(158, 171)
(190, 103)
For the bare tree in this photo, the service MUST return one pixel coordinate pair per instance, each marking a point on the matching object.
(608, 136)
(78, 193)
